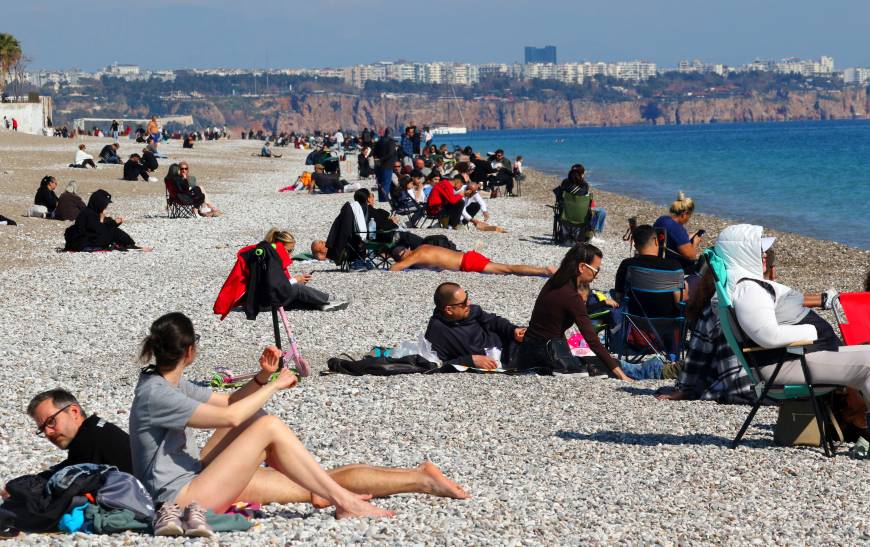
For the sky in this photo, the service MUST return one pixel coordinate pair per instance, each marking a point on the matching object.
(170, 34)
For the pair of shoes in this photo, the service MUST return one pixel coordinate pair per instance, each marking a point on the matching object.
(335, 303)
(170, 520)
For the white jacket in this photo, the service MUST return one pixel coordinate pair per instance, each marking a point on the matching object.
(768, 320)
(81, 156)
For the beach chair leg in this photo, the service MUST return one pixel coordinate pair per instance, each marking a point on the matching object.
(277, 330)
(748, 421)
(757, 403)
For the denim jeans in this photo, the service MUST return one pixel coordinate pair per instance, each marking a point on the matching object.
(385, 182)
(598, 216)
(651, 369)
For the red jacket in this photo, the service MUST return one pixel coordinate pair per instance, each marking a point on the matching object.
(234, 288)
(442, 193)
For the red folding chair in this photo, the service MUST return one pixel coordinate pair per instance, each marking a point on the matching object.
(852, 310)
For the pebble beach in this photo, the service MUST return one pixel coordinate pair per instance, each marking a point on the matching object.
(547, 460)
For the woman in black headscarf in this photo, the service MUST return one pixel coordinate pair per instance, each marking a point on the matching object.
(93, 230)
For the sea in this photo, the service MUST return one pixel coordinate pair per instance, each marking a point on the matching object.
(812, 178)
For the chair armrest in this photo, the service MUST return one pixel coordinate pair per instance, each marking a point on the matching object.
(797, 344)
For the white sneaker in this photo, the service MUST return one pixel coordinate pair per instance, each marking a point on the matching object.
(152, 179)
(335, 303)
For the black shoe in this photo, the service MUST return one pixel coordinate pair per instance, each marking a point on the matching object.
(597, 371)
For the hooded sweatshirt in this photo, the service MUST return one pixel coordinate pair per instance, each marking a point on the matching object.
(456, 341)
(232, 293)
(88, 231)
(770, 313)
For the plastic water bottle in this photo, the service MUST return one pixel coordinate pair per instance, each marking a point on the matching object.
(372, 228)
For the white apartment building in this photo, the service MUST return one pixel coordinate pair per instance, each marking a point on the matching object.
(859, 75)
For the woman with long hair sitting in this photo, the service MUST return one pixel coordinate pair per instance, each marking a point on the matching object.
(559, 305)
(229, 467)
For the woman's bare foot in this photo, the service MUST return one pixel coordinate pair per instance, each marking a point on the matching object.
(439, 484)
(357, 507)
(320, 502)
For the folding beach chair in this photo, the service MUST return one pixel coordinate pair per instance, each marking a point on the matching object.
(745, 350)
(852, 311)
(415, 214)
(645, 330)
(361, 253)
(175, 207)
(571, 218)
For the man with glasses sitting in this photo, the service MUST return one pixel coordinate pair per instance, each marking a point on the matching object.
(87, 439)
(462, 333)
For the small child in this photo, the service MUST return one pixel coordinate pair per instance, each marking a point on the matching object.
(518, 168)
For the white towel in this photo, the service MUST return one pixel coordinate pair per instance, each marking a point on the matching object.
(359, 217)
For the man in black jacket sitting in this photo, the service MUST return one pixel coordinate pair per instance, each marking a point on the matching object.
(87, 439)
(463, 334)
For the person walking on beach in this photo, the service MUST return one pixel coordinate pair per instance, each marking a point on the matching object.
(229, 467)
(114, 130)
(153, 129)
(386, 154)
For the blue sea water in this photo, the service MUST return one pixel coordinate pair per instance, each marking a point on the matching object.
(811, 178)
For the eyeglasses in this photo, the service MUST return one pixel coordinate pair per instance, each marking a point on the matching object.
(462, 304)
(49, 422)
(594, 270)
(184, 169)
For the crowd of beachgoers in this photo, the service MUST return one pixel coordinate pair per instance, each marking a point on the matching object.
(709, 316)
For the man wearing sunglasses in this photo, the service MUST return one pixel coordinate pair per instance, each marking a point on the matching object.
(87, 439)
(461, 333)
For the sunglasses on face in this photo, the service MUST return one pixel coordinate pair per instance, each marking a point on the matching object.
(50, 421)
(594, 270)
(462, 304)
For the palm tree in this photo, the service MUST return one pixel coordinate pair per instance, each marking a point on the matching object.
(10, 54)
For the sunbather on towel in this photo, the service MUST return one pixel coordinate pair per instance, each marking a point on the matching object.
(439, 258)
(462, 333)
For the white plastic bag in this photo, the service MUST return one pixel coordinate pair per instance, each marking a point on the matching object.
(420, 347)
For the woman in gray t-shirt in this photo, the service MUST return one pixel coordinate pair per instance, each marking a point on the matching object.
(167, 461)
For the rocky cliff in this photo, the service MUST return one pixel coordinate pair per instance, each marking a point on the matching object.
(328, 111)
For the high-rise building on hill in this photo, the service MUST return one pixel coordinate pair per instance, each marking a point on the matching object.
(544, 55)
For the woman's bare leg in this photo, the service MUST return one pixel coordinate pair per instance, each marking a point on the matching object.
(227, 475)
(269, 485)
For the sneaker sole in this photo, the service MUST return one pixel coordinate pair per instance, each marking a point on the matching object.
(169, 531)
(199, 533)
(335, 307)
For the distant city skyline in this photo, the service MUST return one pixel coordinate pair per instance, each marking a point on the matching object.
(175, 34)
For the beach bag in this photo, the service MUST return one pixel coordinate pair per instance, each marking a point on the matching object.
(797, 425)
(561, 357)
(123, 491)
(382, 366)
(38, 211)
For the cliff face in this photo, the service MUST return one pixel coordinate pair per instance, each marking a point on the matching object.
(327, 111)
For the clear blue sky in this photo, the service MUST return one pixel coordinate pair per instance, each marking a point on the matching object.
(272, 33)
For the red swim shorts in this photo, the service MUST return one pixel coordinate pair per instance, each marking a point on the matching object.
(472, 261)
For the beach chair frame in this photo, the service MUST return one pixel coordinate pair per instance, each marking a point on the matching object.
(745, 351)
(640, 281)
(573, 213)
(175, 208)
